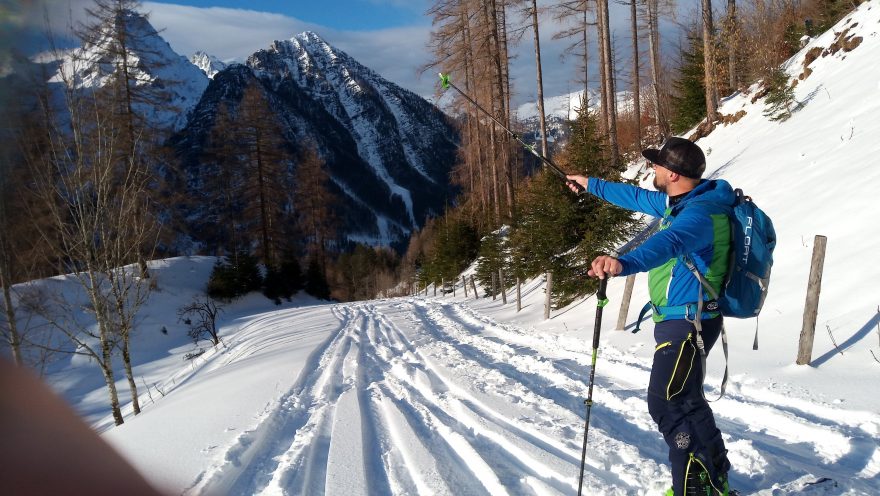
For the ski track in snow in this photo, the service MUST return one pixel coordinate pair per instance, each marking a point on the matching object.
(418, 396)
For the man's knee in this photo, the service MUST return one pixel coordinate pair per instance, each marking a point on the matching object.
(658, 407)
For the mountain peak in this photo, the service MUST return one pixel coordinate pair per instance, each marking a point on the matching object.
(209, 64)
(310, 37)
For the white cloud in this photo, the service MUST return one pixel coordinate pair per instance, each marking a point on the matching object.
(234, 34)
(395, 53)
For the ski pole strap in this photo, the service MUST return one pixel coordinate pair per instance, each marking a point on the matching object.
(444, 81)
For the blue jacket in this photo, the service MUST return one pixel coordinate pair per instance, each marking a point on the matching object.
(697, 227)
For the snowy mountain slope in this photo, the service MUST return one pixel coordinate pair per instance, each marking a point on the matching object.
(457, 395)
(209, 64)
(154, 64)
(388, 151)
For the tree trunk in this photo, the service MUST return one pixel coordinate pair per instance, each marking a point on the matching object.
(501, 284)
(611, 97)
(264, 212)
(637, 112)
(709, 64)
(9, 310)
(499, 57)
(603, 80)
(586, 61)
(541, 116)
(496, 186)
(477, 129)
(508, 160)
(126, 360)
(732, 34)
(654, 48)
(107, 370)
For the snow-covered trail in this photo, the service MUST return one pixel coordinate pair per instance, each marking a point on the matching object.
(420, 396)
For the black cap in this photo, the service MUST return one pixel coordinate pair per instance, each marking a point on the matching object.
(680, 156)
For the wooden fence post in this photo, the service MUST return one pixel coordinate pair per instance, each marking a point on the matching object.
(474, 287)
(811, 307)
(518, 295)
(547, 298)
(464, 285)
(624, 302)
(503, 289)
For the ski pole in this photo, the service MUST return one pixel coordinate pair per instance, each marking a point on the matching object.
(602, 300)
(446, 84)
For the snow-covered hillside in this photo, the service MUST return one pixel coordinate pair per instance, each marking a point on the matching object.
(178, 83)
(457, 395)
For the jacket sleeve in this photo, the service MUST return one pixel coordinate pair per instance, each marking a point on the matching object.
(629, 197)
(690, 231)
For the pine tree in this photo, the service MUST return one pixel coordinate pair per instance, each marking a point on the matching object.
(551, 223)
(689, 101)
(492, 257)
(264, 155)
(561, 233)
(221, 283)
(291, 274)
(283, 281)
(454, 249)
(780, 97)
(314, 203)
(316, 280)
(224, 182)
(231, 279)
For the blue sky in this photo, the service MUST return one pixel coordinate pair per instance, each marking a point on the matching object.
(353, 15)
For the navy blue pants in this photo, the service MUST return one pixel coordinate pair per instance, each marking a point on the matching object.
(676, 402)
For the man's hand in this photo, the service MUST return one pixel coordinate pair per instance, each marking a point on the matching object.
(574, 178)
(603, 265)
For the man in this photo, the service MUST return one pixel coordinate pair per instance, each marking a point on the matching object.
(693, 229)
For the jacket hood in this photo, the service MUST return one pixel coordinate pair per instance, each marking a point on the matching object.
(716, 191)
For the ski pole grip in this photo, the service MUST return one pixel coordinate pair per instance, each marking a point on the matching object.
(603, 285)
(580, 189)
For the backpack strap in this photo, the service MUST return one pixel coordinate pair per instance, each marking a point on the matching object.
(642, 312)
(698, 325)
